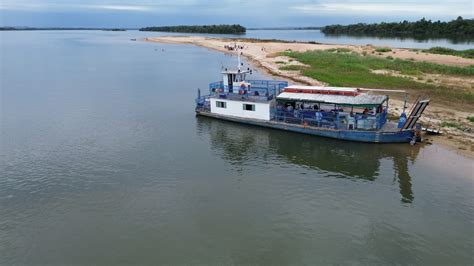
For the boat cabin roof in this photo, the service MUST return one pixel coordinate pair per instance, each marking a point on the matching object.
(361, 99)
(235, 71)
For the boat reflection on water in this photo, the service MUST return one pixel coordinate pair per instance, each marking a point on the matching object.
(245, 147)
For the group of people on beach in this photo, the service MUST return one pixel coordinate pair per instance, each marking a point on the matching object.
(234, 47)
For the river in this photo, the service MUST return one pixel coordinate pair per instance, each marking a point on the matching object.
(104, 162)
(318, 36)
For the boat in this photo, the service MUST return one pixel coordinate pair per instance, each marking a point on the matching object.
(353, 114)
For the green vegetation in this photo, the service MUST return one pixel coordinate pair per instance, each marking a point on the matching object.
(280, 62)
(470, 118)
(216, 29)
(115, 29)
(339, 50)
(459, 29)
(349, 69)
(383, 50)
(450, 124)
(441, 50)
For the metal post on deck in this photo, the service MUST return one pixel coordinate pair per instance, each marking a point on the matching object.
(405, 102)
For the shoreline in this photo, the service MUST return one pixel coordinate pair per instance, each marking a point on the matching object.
(265, 56)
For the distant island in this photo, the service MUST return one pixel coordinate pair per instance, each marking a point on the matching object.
(116, 29)
(457, 29)
(216, 29)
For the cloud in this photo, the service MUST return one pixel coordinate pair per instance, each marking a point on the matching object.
(420, 8)
(84, 6)
(56, 7)
(136, 8)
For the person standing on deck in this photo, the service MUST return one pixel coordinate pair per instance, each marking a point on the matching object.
(319, 117)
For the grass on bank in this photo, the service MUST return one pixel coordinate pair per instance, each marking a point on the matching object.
(339, 50)
(451, 124)
(351, 69)
(441, 50)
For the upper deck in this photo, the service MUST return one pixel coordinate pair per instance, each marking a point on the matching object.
(253, 89)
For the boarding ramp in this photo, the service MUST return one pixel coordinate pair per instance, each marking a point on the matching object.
(415, 113)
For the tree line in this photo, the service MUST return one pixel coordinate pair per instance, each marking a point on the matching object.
(216, 29)
(458, 28)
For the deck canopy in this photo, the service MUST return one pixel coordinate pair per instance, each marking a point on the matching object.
(321, 89)
(361, 99)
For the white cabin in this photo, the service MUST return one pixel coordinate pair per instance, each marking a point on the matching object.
(236, 100)
(241, 108)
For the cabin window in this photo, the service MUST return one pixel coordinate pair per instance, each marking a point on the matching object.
(221, 104)
(249, 107)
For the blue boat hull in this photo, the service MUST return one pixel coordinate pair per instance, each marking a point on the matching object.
(378, 136)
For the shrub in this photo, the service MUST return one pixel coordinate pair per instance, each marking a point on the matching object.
(450, 124)
(446, 51)
(383, 50)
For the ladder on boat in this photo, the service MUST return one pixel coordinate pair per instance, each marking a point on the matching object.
(416, 111)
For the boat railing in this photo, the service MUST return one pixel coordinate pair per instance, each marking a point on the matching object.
(203, 105)
(215, 85)
(271, 87)
(263, 87)
(330, 119)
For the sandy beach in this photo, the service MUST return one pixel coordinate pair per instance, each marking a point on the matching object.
(266, 56)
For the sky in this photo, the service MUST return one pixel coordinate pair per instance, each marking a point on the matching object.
(249, 13)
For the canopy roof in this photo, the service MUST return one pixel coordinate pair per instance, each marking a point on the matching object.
(362, 99)
(322, 88)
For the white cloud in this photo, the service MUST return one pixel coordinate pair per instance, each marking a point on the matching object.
(119, 7)
(261, 9)
(56, 6)
(421, 8)
(142, 6)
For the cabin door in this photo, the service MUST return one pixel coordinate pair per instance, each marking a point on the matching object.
(230, 81)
